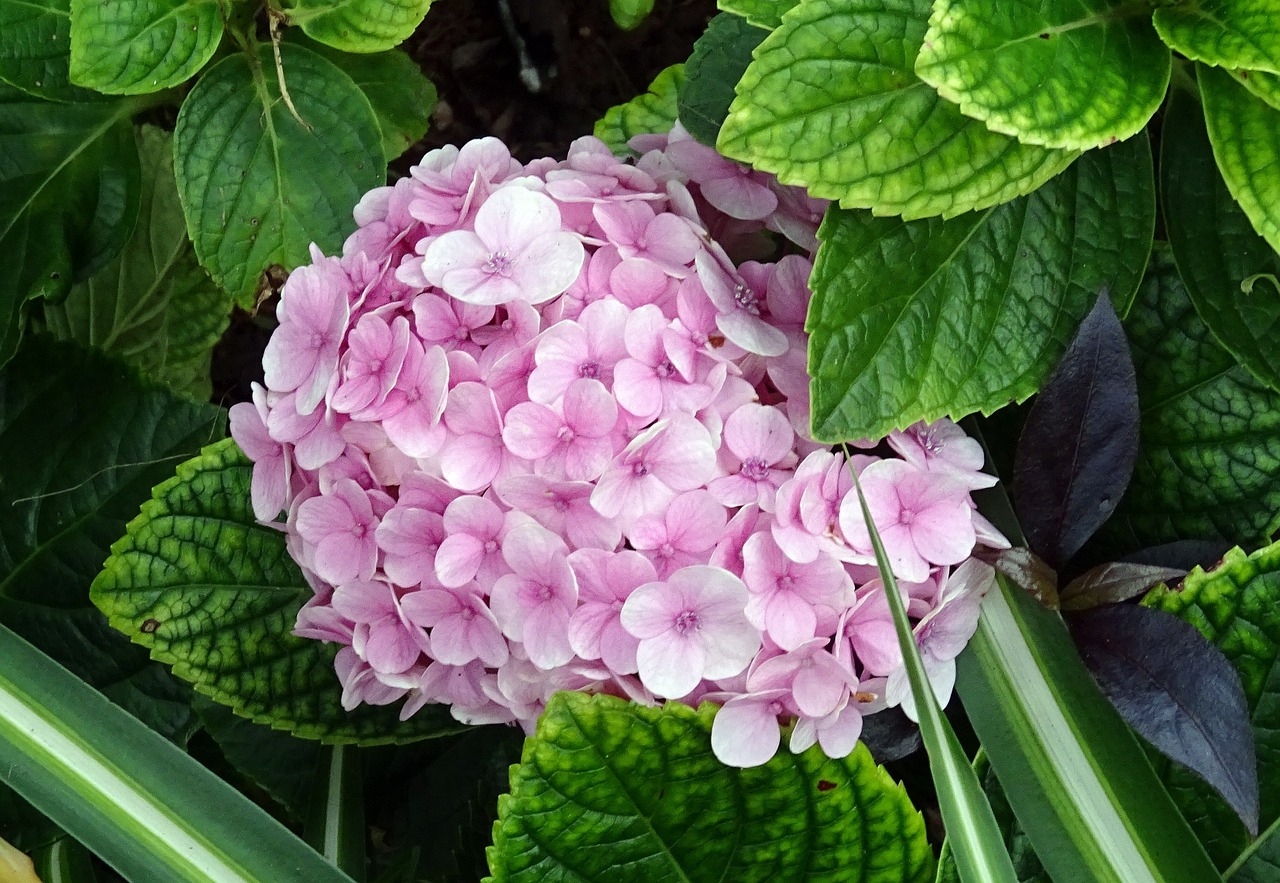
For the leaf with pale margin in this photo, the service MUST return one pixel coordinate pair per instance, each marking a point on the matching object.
(720, 56)
(1226, 33)
(82, 440)
(1080, 441)
(832, 103)
(1209, 461)
(1114, 582)
(134, 48)
(654, 111)
(1178, 692)
(1245, 133)
(765, 14)
(256, 186)
(1023, 855)
(357, 25)
(1265, 86)
(916, 320)
(1214, 245)
(401, 97)
(35, 49)
(1069, 75)
(616, 791)
(1237, 607)
(154, 305)
(213, 593)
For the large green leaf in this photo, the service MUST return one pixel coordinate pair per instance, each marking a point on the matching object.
(765, 14)
(145, 807)
(257, 187)
(69, 189)
(1214, 245)
(35, 49)
(915, 320)
(654, 111)
(720, 56)
(154, 305)
(832, 102)
(1230, 33)
(1209, 463)
(207, 589)
(1245, 133)
(1071, 75)
(608, 790)
(1265, 86)
(82, 440)
(357, 25)
(131, 48)
(1237, 607)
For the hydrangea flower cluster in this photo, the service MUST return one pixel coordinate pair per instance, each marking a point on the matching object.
(537, 429)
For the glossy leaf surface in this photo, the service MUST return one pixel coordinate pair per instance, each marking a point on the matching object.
(135, 47)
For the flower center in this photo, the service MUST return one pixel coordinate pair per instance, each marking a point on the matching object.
(755, 469)
(461, 333)
(565, 435)
(319, 340)
(491, 547)
(590, 370)
(639, 469)
(560, 504)
(497, 263)
(746, 299)
(664, 369)
(686, 622)
(666, 550)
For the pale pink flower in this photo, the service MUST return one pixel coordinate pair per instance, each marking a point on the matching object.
(588, 347)
(413, 407)
(450, 324)
(371, 365)
(942, 447)
(472, 548)
(605, 581)
(340, 526)
(639, 232)
(272, 464)
(303, 352)
(790, 600)
(672, 456)
(475, 455)
(573, 440)
(682, 535)
(739, 307)
(564, 507)
(534, 602)
(736, 190)
(462, 627)
(648, 384)
(761, 442)
(381, 637)
(409, 538)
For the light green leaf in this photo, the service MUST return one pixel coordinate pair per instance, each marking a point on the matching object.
(654, 111)
(1075, 775)
(82, 440)
(1245, 133)
(401, 97)
(154, 305)
(357, 25)
(1209, 462)
(141, 46)
(145, 807)
(915, 320)
(765, 14)
(1265, 86)
(608, 790)
(1237, 607)
(256, 186)
(1215, 246)
(628, 14)
(832, 103)
(1229, 33)
(35, 49)
(1070, 75)
(207, 589)
(719, 58)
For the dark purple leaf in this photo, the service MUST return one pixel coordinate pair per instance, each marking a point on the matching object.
(1078, 447)
(1182, 554)
(1178, 692)
(890, 735)
(1113, 583)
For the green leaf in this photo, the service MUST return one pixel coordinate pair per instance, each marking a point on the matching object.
(357, 25)
(154, 305)
(832, 103)
(720, 56)
(335, 824)
(1245, 133)
(765, 14)
(256, 186)
(35, 49)
(133, 48)
(1209, 461)
(1214, 245)
(1071, 75)
(82, 440)
(1265, 86)
(1026, 865)
(1229, 33)
(145, 807)
(1237, 607)
(401, 97)
(1260, 863)
(628, 14)
(207, 589)
(607, 790)
(654, 111)
(1075, 775)
(69, 190)
(915, 320)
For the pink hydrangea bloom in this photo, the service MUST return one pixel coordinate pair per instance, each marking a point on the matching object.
(544, 427)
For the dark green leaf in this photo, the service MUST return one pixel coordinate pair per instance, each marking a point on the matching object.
(1080, 440)
(82, 440)
(1209, 463)
(335, 819)
(654, 111)
(132, 48)
(922, 319)
(719, 58)
(210, 591)
(1178, 692)
(35, 49)
(257, 187)
(1260, 863)
(612, 791)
